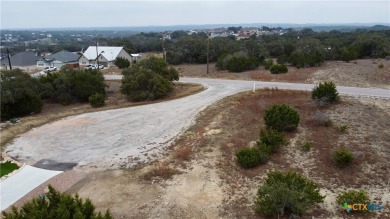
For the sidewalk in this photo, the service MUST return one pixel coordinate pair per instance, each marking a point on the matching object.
(18, 185)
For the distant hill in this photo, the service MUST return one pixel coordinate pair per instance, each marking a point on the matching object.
(314, 27)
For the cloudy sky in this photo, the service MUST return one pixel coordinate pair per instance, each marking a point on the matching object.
(57, 14)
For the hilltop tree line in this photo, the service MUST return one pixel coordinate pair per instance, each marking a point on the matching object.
(299, 48)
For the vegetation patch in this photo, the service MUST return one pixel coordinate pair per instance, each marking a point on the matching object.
(248, 157)
(7, 167)
(97, 100)
(278, 69)
(281, 117)
(325, 93)
(287, 193)
(162, 170)
(54, 204)
(306, 145)
(272, 139)
(343, 128)
(343, 156)
(353, 197)
(148, 79)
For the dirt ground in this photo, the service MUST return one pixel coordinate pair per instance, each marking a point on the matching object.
(358, 73)
(200, 177)
(53, 111)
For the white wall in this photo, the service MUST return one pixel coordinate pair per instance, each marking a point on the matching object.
(124, 54)
(83, 59)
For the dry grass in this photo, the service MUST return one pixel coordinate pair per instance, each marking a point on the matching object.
(162, 170)
(52, 112)
(240, 117)
(363, 73)
(183, 153)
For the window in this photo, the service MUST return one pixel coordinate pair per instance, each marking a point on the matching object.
(84, 63)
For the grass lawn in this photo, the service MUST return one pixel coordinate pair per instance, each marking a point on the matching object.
(7, 167)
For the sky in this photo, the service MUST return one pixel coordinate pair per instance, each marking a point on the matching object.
(64, 14)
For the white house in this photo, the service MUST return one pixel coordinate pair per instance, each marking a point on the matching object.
(105, 54)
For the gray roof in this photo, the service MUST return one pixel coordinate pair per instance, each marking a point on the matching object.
(23, 59)
(64, 56)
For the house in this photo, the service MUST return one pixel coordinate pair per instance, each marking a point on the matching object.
(59, 59)
(105, 54)
(243, 36)
(23, 60)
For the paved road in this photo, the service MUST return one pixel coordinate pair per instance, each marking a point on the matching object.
(123, 137)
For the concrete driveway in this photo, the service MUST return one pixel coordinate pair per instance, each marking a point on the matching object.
(124, 137)
(23, 181)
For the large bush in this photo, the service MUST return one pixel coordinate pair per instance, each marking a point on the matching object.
(71, 85)
(19, 94)
(325, 93)
(97, 100)
(145, 85)
(278, 69)
(122, 62)
(53, 205)
(237, 62)
(342, 156)
(248, 157)
(287, 193)
(268, 63)
(149, 79)
(271, 138)
(281, 117)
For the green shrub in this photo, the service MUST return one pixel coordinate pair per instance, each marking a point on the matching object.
(281, 117)
(325, 93)
(287, 192)
(381, 65)
(278, 68)
(145, 85)
(248, 157)
(19, 94)
(264, 152)
(343, 128)
(56, 205)
(268, 63)
(237, 62)
(342, 156)
(353, 197)
(307, 145)
(7, 167)
(72, 85)
(149, 79)
(97, 100)
(122, 62)
(273, 139)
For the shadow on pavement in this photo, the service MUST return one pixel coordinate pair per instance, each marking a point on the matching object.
(54, 165)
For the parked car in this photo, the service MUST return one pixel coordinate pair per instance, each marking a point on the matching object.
(49, 69)
(94, 66)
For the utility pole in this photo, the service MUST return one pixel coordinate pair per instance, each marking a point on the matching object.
(9, 60)
(208, 48)
(163, 49)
